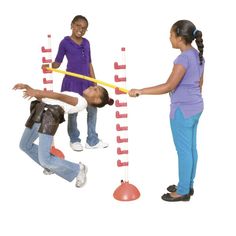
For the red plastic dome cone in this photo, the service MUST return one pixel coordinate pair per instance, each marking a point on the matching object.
(126, 192)
(56, 152)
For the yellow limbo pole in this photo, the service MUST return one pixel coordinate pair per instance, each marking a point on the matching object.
(87, 78)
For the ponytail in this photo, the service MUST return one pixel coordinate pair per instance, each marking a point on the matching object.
(188, 31)
(199, 42)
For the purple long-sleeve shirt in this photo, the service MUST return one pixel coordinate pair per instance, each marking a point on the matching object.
(187, 95)
(79, 59)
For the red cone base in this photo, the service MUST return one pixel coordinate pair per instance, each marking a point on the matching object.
(126, 192)
(56, 152)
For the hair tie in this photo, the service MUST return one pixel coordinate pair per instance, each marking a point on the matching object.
(194, 32)
(110, 101)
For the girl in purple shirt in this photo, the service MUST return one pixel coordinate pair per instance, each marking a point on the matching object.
(184, 85)
(76, 48)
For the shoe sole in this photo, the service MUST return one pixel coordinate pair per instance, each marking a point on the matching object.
(77, 150)
(95, 147)
(87, 146)
(168, 198)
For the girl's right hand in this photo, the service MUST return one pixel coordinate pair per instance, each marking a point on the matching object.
(44, 66)
(134, 92)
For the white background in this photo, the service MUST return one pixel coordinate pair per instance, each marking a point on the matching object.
(34, 204)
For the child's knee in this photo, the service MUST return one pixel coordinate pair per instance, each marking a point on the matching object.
(23, 146)
(45, 162)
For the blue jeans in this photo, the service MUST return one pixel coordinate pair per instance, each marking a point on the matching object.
(184, 132)
(41, 153)
(74, 133)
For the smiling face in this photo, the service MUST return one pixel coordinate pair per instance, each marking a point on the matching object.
(79, 28)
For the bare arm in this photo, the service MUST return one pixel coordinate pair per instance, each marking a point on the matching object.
(174, 79)
(39, 94)
(201, 82)
(91, 71)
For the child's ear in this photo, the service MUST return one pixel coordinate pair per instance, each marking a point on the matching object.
(97, 100)
(180, 39)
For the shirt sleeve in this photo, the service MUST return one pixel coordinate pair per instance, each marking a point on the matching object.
(81, 105)
(182, 60)
(61, 52)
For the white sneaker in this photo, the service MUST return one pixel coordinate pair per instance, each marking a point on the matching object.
(46, 171)
(81, 177)
(77, 146)
(100, 144)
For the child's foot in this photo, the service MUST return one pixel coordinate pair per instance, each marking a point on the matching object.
(100, 144)
(173, 188)
(81, 177)
(46, 171)
(174, 197)
(77, 146)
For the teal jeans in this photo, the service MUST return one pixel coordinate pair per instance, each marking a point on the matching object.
(184, 132)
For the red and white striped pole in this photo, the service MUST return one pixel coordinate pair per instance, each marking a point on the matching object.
(126, 191)
(48, 84)
(47, 59)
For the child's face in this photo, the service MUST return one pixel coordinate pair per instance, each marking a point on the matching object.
(93, 94)
(173, 39)
(79, 28)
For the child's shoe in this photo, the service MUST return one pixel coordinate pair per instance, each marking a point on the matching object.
(81, 177)
(46, 171)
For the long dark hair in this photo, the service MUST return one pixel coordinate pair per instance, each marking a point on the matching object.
(188, 31)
